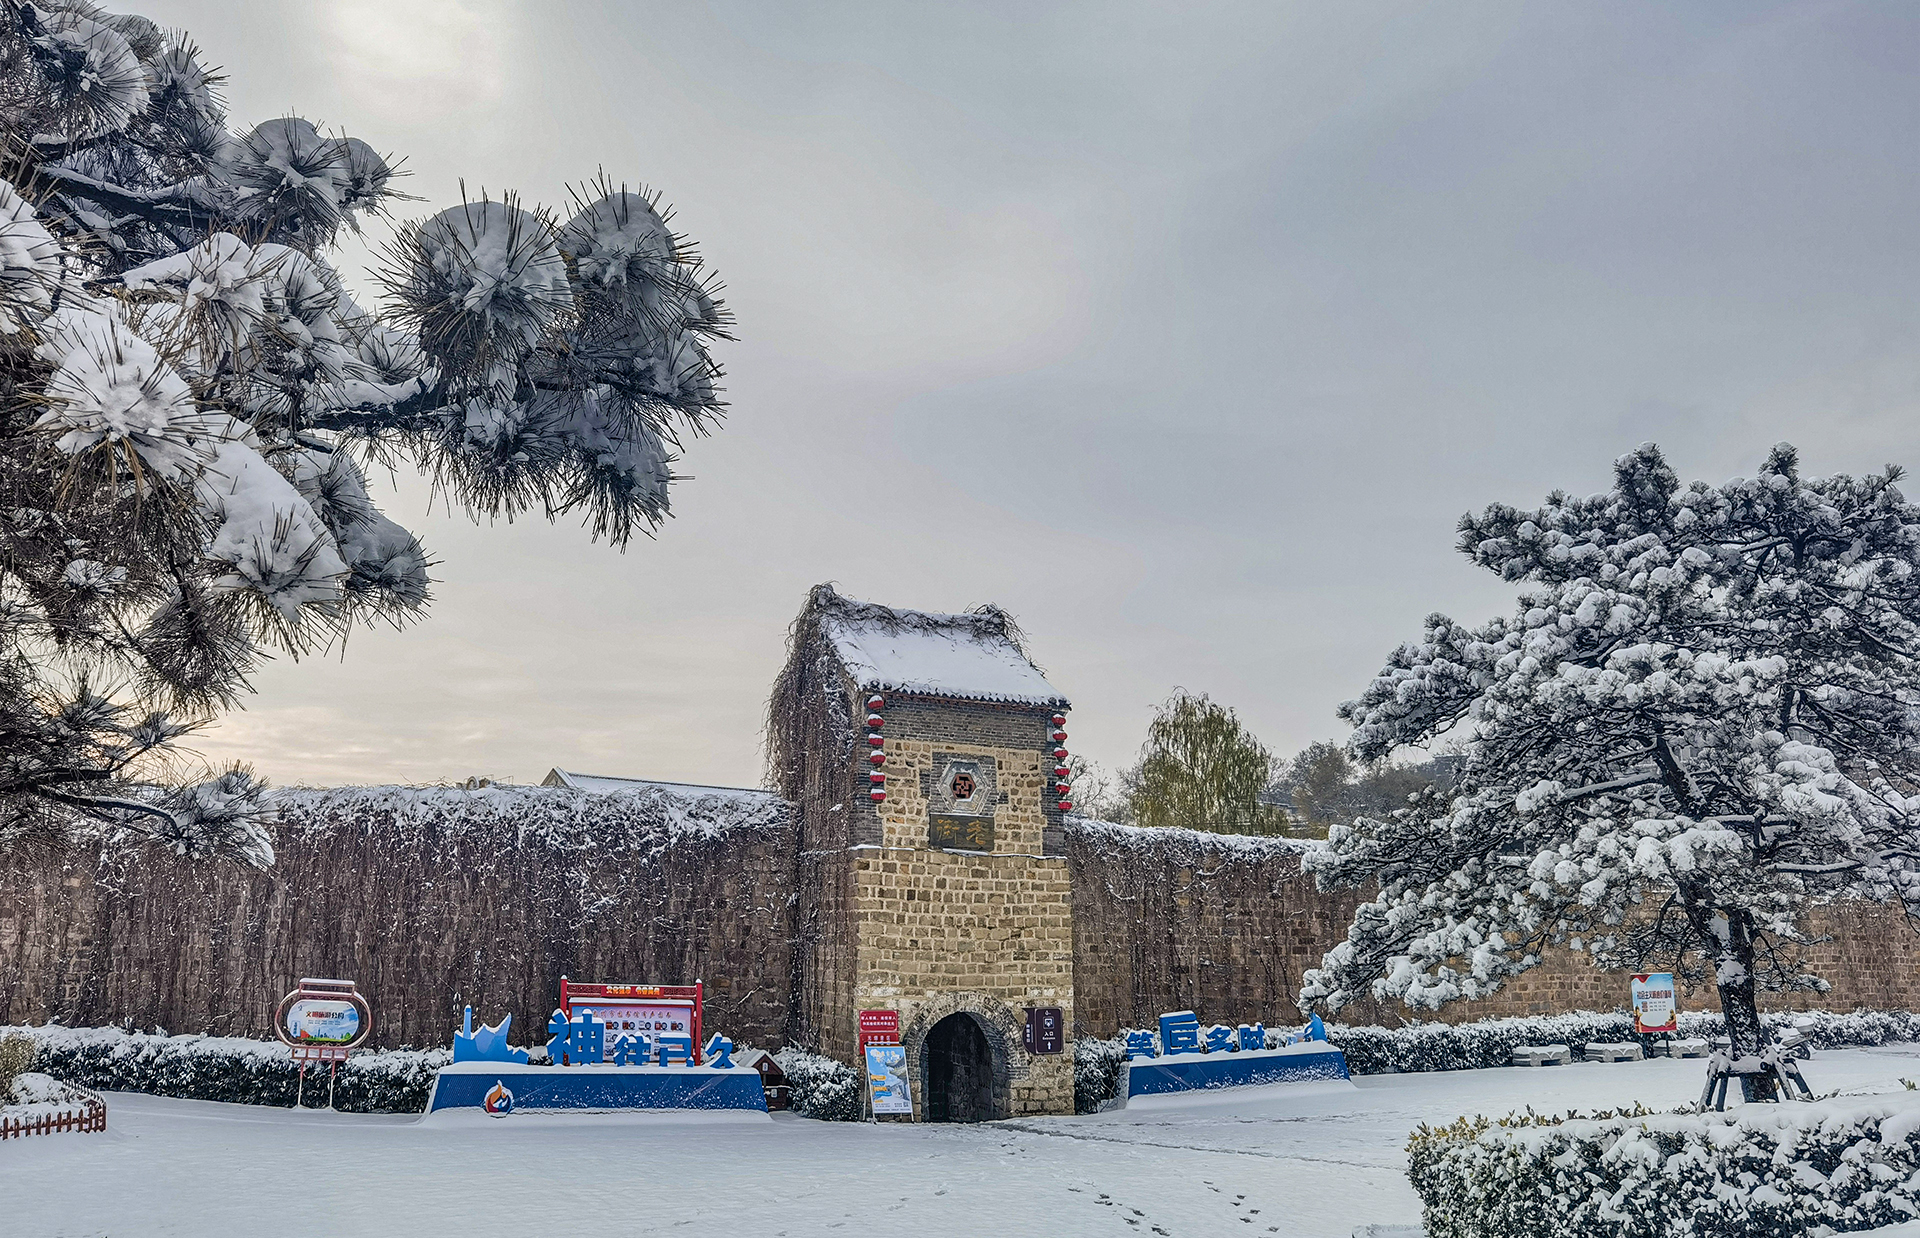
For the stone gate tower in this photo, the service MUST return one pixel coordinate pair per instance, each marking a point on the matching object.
(922, 750)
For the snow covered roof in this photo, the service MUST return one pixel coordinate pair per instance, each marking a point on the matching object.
(557, 777)
(976, 656)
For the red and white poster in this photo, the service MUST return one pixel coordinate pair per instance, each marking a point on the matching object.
(1655, 1006)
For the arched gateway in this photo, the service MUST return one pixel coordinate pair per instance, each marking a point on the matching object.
(922, 750)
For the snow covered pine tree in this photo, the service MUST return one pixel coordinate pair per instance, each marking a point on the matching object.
(1704, 716)
(188, 396)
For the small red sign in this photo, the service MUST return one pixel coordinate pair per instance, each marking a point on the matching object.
(878, 1027)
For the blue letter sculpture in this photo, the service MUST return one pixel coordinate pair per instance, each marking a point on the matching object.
(582, 1042)
(1254, 1036)
(1220, 1039)
(489, 1044)
(1180, 1032)
(719, 1054)
(1140, 1044)
(672, 1045)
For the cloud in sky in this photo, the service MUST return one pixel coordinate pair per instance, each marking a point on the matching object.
(1184, 335)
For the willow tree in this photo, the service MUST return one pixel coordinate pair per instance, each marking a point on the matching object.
(1201, 769)
(190, 398)
(1702, 718)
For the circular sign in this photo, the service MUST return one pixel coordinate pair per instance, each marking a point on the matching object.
(324, 1012)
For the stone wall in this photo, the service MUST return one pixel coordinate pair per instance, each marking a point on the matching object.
(1225, 926)
(429, 898)
(433, 897)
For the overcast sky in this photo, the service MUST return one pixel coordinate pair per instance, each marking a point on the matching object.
(1186, 333)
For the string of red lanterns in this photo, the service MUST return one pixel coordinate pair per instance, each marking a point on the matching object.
(1063, 793)
(877, 778)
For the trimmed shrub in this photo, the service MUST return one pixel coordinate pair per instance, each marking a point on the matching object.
(230, 1068)
(1762, 1171)
(822, 1088)
(16, 1057)
(1098, 1068)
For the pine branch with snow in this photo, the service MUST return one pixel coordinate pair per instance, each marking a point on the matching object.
(1703, 716)
(190, 398)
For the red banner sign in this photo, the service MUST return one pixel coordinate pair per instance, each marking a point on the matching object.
(878, 1027)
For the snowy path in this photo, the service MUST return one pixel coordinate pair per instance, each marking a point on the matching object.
(1311, 1161)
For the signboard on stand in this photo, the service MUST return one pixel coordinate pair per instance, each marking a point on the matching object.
(887, 1080)
(1655, 1006)
(320, 1021)
(649, 1010)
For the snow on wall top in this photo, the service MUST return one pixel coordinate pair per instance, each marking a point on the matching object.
(557, 777)
(645, 818)
(974, 657)
(1110, 838)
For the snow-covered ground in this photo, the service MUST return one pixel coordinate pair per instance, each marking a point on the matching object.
(1313, 1161)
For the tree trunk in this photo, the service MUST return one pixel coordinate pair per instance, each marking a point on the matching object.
(1734, 976)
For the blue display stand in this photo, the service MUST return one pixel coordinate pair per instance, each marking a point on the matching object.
(464, 1085)
(1199, 1072)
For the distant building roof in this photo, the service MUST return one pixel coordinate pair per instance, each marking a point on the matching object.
(976, 656)
(557, 777)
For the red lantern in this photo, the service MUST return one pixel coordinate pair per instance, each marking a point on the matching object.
(874, 721)
(1063, 772)
(876, 796)
(1066, 805)
(1059, 754)
(876, 702)
(1059, 720)
(878, 758)
(1059, 737)
(1063, 790)
(876, 741)
(876, 778)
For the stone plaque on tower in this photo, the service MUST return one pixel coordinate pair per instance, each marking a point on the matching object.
(960, 804)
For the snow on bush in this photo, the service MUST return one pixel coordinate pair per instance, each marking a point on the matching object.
(1099, 1067)
(1758, 1172)
(229, 1068)
(1486, 1043)
(820, 1087)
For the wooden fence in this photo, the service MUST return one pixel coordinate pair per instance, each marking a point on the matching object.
(92, 1116)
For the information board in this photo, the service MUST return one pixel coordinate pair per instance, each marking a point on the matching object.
(1655, 1005)
(1046, 1030)
(634, 1009)
(651, 1018)
(323, 1013)
(887, 1080)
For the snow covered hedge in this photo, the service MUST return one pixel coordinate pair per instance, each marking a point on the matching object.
(821, 1087)
(1762, 1171)
(229, 1068)
(1490, 1042)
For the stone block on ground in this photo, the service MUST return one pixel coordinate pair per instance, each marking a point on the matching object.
(1542, 1055)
